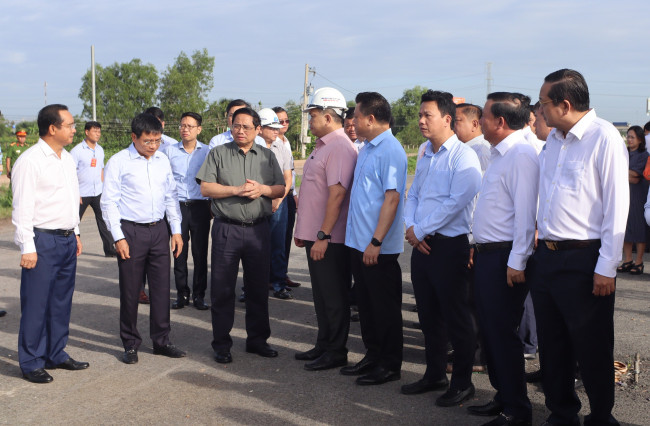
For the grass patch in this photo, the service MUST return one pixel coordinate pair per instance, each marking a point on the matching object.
(6, 198)
(412, 162)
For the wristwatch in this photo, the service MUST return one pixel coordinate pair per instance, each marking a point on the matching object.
(323, 236)
(375, 242)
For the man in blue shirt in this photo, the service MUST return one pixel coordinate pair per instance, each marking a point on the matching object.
(375, 235)
(139, 191)
(186, 158)
(89, 158)
(437, 217)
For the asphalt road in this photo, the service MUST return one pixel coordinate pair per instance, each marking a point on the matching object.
(252, 390)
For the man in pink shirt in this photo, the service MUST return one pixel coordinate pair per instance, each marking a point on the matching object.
(320, 228)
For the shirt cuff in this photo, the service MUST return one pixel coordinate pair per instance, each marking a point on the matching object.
(419, 234)
(175, 227)
(28, 247)
(606, 268)
(117, 233)
(517, 261)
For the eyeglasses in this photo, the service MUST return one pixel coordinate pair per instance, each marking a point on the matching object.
(186, 126)
(237, 127)
(283, 122)
(70, 126)
(153, 141)
(541, 102)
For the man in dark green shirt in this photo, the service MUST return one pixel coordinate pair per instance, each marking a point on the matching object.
(241, 178)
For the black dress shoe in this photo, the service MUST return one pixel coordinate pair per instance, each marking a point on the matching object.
(424, 385)
(38, 376)
(309, 355)
(71, 364)
(492, 408)
(3, 312)
(200, 304)
(181, 301)
(326, 362)
(507, 420)
(223, 357)
(265, 350)
(454, 397)
(169, 350)
(362, 367)
(534, 377)
(130, 356)
(378, 376)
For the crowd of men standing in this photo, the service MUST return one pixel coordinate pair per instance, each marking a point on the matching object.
(484, 186)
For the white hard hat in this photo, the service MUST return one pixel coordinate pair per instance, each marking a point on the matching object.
(269, 118)
(328, 97)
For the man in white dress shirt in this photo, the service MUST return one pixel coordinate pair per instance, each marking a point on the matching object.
(468, 130)
(504, 231)
(583, 206)
(46, 216)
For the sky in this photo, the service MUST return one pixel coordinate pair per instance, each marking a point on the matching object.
(261, 47)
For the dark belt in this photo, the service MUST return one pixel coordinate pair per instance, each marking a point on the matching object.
(240, 223)
(442, 237)
(64, 232)
(190, 202)
(486, 247)
(141, 224)
(569, 244)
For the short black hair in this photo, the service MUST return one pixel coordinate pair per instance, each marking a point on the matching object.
(349, 113)
(49, 116)
(145, 123)
(513, 107)
(647, 127)
(236, 103)
(568, 85)
(638, 131)
(444, 101)
(373, 103)
(470, 111)
(194, 115)
(248, 111)
(92, 124)
(535, 107)
(278, 109)
(156, 112)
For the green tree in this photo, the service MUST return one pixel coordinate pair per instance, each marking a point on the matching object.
(293, 134)
(185, 85)
(405, 112)
(214, 119)
(122, 91)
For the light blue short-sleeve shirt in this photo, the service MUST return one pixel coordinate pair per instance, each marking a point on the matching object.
(381, 166)
(90, 163)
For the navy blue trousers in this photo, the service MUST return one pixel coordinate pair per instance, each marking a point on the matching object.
(528, 327)
(278, 226)
(573, 325)
(499, 309)
(46, 301)
(195, 229)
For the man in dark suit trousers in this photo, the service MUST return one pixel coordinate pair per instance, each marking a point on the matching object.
(242, 178)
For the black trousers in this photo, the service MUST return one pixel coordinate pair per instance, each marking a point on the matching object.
(441, 287)
(230, 245)
(499, 310)
(330, 283)
(150, 257)
(291, 221)
(573, 325)
(195, 228)
(104, 233)
(379, 298)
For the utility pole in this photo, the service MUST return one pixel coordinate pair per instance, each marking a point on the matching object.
(304, 139)
(489, 78)
(92, 73)
(45, 92)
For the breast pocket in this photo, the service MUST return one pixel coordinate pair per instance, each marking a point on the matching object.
(571, 175)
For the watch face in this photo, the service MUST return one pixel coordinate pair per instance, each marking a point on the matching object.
(320, 235)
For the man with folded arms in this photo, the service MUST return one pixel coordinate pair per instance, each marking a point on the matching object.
(139, 190)
(241, 178)
(323, 213)
(437, 216)
(46, 217)
(504, 231)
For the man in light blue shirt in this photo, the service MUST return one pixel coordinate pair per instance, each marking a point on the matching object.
(186, 158)
(375, 235)
(226, 136)
(437, 217)
(89, 158)
(139, 191)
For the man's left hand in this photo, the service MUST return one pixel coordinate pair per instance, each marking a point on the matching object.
(603, 286)
(317, 251)
(371, 255)
(255, 190)
(514, 276)
(275, 203)
(78, 245)
(411, 238)
(177, 244)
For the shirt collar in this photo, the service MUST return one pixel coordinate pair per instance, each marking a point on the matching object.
(448, 145)
(509, 141)
(578, 130)
(133, 153)
(181, 147)
(377, 140)
(332, 135)
(47, 150)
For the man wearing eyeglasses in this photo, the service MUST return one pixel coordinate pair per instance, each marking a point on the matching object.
(227, 136)
(241, 178)
(46, 216)
(139, 190)
(186, 158)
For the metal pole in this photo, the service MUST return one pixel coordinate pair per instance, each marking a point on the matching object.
(92, 73)
(489, 78)
(45, 91)
(303, 116)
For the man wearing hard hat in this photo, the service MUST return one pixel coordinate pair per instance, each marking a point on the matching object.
(320, 228)
(15, 149)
